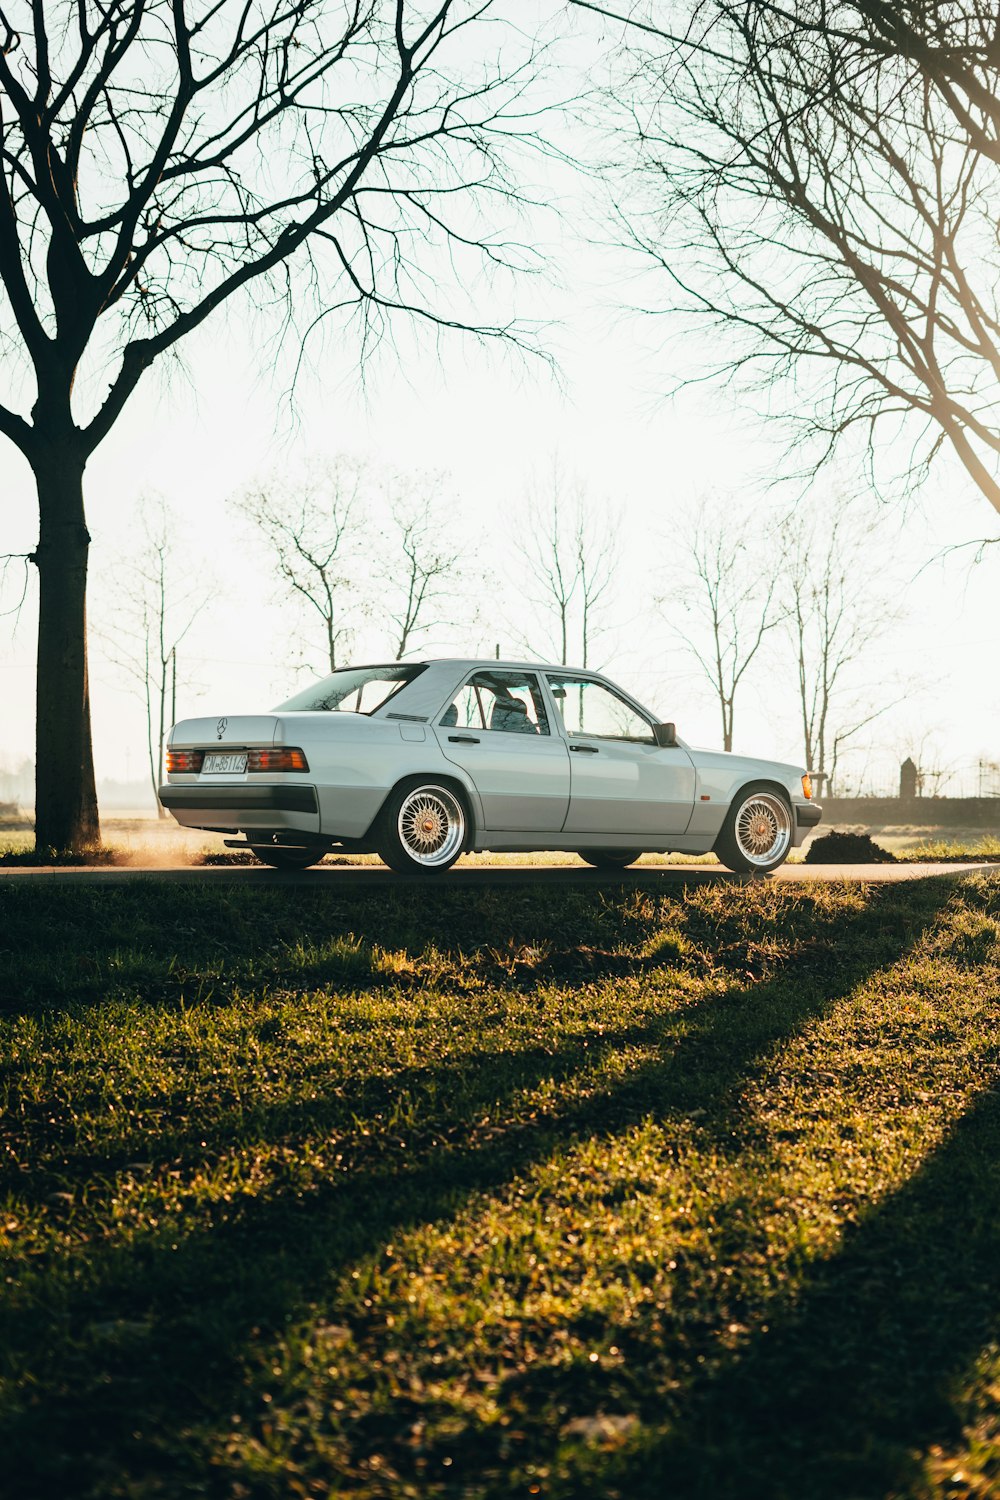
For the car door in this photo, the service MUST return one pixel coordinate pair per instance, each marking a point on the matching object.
(622, 782)
(497, 729)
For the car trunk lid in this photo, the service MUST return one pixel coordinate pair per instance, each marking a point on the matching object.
(243, 730)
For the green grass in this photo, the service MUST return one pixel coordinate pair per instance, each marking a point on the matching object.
(465, 1193)
(25, 854)
(984, 847)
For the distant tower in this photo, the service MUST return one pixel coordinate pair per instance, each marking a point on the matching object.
(908, 776)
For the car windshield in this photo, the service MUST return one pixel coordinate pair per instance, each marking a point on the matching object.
(354, 690)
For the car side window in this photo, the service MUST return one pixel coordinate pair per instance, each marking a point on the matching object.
(464, 711)
(591, 710)
(504, 702)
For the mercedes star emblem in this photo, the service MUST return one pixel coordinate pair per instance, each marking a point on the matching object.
(221, 727)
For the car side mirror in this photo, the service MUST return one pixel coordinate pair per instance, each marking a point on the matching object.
(665, 735)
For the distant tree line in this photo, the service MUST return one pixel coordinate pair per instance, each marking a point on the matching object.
(809, 590)
(352, 542)
(790, 609)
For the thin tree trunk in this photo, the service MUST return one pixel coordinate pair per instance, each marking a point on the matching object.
(161, 811)
(162, 663)
(149, 714)
(807, 718)
(65, 791)
(727, 724)
(585, 629)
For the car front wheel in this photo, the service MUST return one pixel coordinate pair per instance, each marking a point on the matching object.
(609, 859)
(423, 829)
(757, 834)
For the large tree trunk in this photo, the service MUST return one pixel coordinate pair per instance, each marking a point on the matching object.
(65, 791)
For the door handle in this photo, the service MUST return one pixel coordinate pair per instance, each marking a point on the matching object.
(462, 739)
(585, 749)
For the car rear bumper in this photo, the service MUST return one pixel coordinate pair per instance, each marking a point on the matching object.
(297, 798)
(243, 805)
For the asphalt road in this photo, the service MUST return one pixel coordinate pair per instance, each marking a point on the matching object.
(370, 877)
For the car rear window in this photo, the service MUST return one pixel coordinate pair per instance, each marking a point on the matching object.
(353, 690)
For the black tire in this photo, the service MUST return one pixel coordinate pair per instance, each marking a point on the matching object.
(758, 831)
(290, 858)
(422, 828)
(609, 859)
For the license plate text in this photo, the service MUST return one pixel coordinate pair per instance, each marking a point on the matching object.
(229, 765)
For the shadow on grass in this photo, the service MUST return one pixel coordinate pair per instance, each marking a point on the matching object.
(85, 1411)
(435, 1102)
(846, 1392)
(66, 948)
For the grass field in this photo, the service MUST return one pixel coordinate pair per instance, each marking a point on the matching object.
(508, 1192)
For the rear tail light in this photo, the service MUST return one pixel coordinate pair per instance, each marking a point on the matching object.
(277, 760)
(257, 760)
(184, 760)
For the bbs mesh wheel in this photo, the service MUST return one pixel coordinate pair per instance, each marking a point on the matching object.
(757, 834)
(423, 829)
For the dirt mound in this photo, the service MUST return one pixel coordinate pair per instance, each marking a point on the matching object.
(847, 849)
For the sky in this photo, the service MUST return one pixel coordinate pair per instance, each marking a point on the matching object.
(491, 421)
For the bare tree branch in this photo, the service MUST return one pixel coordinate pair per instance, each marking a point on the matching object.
(6, 558)
(724, 602)
(568, 556)
(420, 564)
(314, 527)
(833, 576)
(152, 618)
(817, 186)
(161, 157)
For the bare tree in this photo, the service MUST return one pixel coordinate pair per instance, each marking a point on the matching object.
(420, 562)
(315, 528)
(596, 565)
(152, 617)
(158, 157)
(818, 183)
(840, 603)
(569, 555)
(724, 603)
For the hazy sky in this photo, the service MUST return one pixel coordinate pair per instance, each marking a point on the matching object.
(489, 420)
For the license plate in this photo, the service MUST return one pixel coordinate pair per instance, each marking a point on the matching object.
(225, 765)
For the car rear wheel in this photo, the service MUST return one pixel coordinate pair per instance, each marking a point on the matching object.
(280, 857)
(423, 829)
(757, 833)
(609, 859)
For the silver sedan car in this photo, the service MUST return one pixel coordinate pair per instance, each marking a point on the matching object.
(420, 762)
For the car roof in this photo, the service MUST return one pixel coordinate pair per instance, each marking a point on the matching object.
(465, 663)
(504, 665)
